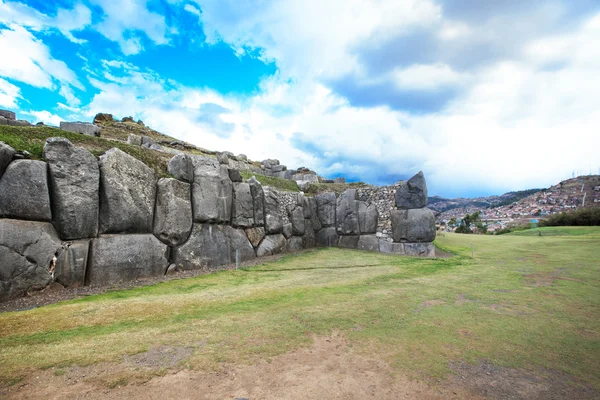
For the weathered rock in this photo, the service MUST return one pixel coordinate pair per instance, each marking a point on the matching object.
(74, 178)
(420, 249)
(102, 117)
(347, 213)
(367, 217)
(182, 168)
(326, 205)
(415, 225)
(296, 217)
(19, 122)
(386, 246)
(273, 222)
(242, 213)
(368, 242)
(120, 258)
(172, 269)
(255, 235)
(210, 246)
(173, 213)
(235, 175)
(146, 141)
(339, 180)
(348, 241)
(3, 121)
(212, 191)
(306, 206)
(271, 244)
(258, 201)
(24, 191)
(128, 119)
(6, 156)
(127, 194)
(71, 263)
(222, 158)
(314, 213)
(26, 250)
(309, 239)
(8, 114)
(288, 230)
(413, 193)
(84, 128)
(135, 140)
(242, 157)
(295, 243)
(327, 237)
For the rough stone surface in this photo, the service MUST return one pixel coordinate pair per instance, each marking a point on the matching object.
(19, 122)
(327, 237)
(309, 238)
(74, 178)
(326, 205)
(235, 175)
(127, 194)
(339, 180)
(212, 191)
(288, 230)
(182, 168)
(295, 243)
(413, 193)
(368, 242)
(71, 263)
(26, 250)
(3, 121)
(255, 235)
(347, 213)
(314, 213)
(419, 249)
(242, 213)
(415, 225)
(296, 217)
(273, 221)
(119, 258)
(24, 191)
(367, 217)
(385, 246)
(210, 246)
(271, 244)
(84, 128)
(173, 212)
(348, 241)
(8, 114)
(102, 117)
(135, 140)
(258, 201)
(6, 156)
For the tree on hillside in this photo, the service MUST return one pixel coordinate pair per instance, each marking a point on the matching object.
(471, 219)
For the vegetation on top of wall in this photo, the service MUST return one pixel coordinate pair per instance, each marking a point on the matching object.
(316, 188)
(32, 139)
(285, 185)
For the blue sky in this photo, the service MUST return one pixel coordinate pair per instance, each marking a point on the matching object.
(483, 96)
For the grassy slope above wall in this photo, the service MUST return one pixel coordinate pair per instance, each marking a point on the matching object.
(285, 185)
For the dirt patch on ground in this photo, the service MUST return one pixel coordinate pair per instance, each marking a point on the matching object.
(160, 357)
(461, 299)
(495, 382)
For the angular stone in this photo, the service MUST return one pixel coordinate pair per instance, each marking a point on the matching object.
(71, 263)
(368, 242)
(271, 244)
(367, 217)
(3, 121)
(327, 237)
(242, 213)
(296, 217)
(222, 158)
(413, 193)
(255, 235)
(210, 246)
(258, 201)
(295, 243)
(173, 212)
(339, 180)
(347, 213)
(6, 156)
(212, 191)
(326, 205)
(420, 249)
(74, 186)
(84, 128)
(288, 230)
(415, 225)
(8, 114)
(19, 122)
(26, 250)
(348, 241)
(309, 239)
(24, 191)
(314, 214)
(134, 140)
(386, 246)
(235, 175)
(273, 221)
(127, 194)
(182, 168)
(121, 258)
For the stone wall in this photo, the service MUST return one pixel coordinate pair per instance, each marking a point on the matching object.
(78, 220)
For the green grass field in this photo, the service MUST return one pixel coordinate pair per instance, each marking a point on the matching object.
(524, 301)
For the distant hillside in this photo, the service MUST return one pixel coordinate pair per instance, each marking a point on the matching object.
(441, 204)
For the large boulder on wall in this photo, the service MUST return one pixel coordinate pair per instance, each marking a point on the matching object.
(127, 194)
(24, 191)
(412, 193)
(273, 221)
(258, 201)
(296, 216)
(311, 204)
(173, 213)
(6, 156)
(367, 217)
(242, 213)
(74, 184)
(326, 205)
(120, 258)
(347, 213)
(272, 244)
(212, 191)
(26, 251)
(210, 246)
(71, 263)
(181, 167)
(415, 225)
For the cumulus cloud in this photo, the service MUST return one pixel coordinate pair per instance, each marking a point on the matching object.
(9, 94)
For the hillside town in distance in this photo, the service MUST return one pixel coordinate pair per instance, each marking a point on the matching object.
(569, 195)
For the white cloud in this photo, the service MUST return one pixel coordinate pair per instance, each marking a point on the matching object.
(45, 117)
(427, 77)
(9, 94)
